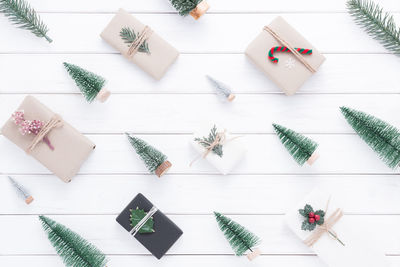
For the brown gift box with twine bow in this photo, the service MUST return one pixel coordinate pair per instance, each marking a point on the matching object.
(71, 148)
(148, 50)
(292, 68)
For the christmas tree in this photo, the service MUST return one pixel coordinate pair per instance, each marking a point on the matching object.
(299, 146)
(240, 239)
(382, 137)
(90, 84)
(71, 247)
(378, 24)
(222, 90)
(21, 191)
(21, 14)
(155, 161)
(196, 8)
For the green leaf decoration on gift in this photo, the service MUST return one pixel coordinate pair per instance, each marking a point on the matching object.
(136, 216)
(312, 218)
(129, 36)
(207, 141)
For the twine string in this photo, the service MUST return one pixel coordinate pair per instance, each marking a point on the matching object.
(141, 38)
(54, 122)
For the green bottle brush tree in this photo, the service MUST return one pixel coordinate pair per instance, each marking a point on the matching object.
(382, 137)
(155, 161)
(299, 146)
(90, 84)
(240, 239)
(196, 8)
(71, 247)
(21, 14)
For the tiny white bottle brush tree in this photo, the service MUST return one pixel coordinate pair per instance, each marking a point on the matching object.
(90, 84)
(22, 192)
(155, 161)
(222, 89)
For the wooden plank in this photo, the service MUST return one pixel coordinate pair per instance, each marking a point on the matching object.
(179, 261)
(167, 113)
(265, 155)
(218, 6)
(188, 194)
(346, 74)
(81, 33)
(201, 234)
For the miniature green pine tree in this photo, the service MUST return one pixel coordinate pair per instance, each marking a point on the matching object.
(21, 14)
(90, 84)
(381, 26)
(240, 239)
(71, 247)
(382, 137)
(299, 146)
(196, 8)
(155, 161)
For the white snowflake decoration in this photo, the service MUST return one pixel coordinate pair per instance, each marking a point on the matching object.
(290, 63)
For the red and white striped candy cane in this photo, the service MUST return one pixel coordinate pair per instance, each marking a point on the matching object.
(285, 49)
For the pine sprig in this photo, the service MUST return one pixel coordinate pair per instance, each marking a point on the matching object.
(129, 36)
(184, 6)
(377, 23)
(72, 248)
(298, 145)
(20, 13)
(382, 137)
(207, 141)
(240, 239)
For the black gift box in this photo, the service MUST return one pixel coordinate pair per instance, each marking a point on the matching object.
(166, 232)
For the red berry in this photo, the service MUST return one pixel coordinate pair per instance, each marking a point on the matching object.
(317, 217)
(311, 215)
(311, 220)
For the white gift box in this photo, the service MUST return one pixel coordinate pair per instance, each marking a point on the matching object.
(361, 249)
(233, 149)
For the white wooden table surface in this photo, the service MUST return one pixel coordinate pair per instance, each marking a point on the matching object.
(358, 73)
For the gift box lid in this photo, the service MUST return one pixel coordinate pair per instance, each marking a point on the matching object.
(71, 148)
(289, 73)
(360, 248)
(233, 149)
(165, 234)
(161, 54)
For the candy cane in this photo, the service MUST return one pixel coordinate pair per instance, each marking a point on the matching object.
(285, 49)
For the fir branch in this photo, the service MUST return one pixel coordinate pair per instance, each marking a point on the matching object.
(207, 141)
(20, 13)
(184, 6)
(129, 36)
(378, 24)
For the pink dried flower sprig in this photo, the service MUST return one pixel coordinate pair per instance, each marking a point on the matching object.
(29, 127)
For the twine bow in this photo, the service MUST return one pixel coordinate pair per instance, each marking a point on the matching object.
(54, 122)
(141, 38)
(291, 48)
(326, 227)
(219, 140)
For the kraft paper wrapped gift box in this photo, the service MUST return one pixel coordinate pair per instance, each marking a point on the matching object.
(290, 72)
(360, 246)
(165, 234)
(71, 148)
(160, 55)
(233, 149)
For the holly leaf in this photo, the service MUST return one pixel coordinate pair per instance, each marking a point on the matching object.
(321, 214)
(303, 213)
(136, 216)
(306, 226)
(308, 209)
